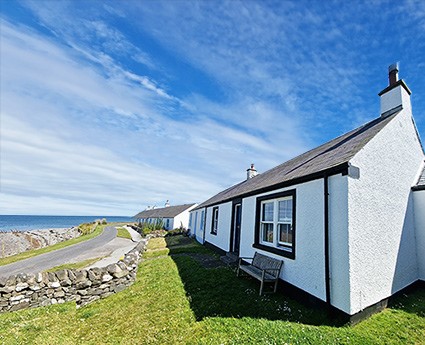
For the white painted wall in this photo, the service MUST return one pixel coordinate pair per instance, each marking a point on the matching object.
(419, 210)
(395, 97)
(338, 242)
(222, 239)
(201, 221)
(382, 246)
(170, 224)
(196, 228)
(182, 219)
(307, 271)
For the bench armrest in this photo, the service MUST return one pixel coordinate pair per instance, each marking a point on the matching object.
(241, 258)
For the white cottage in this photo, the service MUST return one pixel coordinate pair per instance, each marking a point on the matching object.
(171, 216)
(347, 218)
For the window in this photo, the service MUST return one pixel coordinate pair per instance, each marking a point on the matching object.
(190, 220)
(168, 223)
(214, 224)
(275, 226)
(202, 220)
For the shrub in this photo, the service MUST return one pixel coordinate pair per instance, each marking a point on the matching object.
(145, 228)
(101, 221)
(87, 228)
(177, 231)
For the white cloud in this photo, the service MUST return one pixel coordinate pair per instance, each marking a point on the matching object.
(91, 119)
(39, 164)
(77, 140)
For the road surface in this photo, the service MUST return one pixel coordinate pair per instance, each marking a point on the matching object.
(89, 249)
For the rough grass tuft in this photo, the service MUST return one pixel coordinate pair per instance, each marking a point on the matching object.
(122, 232)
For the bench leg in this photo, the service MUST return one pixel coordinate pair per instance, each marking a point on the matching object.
(261, 287)
(275, 285)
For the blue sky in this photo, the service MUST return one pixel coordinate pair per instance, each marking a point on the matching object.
(110, 106)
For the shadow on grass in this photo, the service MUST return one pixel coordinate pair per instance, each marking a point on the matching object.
(412, 302)
(213, 290)
(217, 292)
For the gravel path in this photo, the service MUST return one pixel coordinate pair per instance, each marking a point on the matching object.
(89, 249)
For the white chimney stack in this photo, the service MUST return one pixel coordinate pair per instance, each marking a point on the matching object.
(167, 203)
(397, 95)
(251, 172)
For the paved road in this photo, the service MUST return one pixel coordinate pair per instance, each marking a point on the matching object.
(91, 248)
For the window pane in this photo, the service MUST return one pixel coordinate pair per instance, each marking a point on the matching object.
(285, 210)
(285, 234)
(267, 212)
(214, 220)
(267, 232)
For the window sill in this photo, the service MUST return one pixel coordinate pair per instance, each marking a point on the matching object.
(213, 233)
(274, 250)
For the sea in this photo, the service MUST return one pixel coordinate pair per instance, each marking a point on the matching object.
(24, 223)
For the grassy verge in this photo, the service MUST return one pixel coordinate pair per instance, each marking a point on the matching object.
(122, 232)
(176, 300)
(75, 265)
(35, 252)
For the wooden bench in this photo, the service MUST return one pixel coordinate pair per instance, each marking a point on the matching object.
(263, 268)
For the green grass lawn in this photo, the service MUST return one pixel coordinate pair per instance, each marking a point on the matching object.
(60, 245)
(177, 300)
(122, 232)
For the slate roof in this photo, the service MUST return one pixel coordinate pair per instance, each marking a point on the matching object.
(164, 212)
(331, 155)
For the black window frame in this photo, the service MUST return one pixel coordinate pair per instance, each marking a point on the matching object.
(212, 221)
(272, 249)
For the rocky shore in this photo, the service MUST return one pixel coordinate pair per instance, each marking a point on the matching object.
(16, 242)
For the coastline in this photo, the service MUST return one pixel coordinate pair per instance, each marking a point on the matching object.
(36, 222)
(15, 242)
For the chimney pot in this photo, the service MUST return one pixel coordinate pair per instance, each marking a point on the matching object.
(393, 73)
(251, 172)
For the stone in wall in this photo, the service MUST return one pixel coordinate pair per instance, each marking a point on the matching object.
(82, 286)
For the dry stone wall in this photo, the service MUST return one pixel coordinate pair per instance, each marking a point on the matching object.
(82, 286)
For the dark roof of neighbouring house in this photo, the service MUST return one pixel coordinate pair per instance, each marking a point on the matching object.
(421, 183)
(164, 212)
(332, 156)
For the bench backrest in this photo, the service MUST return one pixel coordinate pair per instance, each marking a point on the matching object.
(262, 261)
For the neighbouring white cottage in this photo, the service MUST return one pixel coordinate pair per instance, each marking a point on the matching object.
(172, 216)
(347, 218)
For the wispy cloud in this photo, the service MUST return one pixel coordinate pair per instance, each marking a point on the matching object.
(96, 142)
(99, 117)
